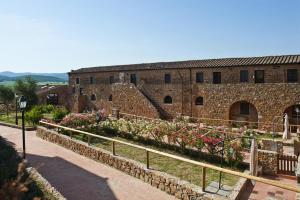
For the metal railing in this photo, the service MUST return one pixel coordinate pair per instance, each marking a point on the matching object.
(204, 166)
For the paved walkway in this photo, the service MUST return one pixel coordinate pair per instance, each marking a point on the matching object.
(77, 177)
(263, 191)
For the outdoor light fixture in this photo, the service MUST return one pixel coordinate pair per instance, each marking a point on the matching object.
(16, 97)
(22, 104)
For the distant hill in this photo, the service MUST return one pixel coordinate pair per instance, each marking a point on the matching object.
(63, 76)
(38, 78)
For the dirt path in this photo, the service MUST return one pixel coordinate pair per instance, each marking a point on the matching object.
(77, 177)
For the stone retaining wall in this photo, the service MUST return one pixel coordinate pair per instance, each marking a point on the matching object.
(165, 182)
(268, 161)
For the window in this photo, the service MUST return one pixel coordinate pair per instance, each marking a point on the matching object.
(244, 76)
(77, 81)
(199, 101)
(73, 90)
(292, 75)
(199, 77)
(168, 100)
(52, 99)
(92, 80)
(110, 98)
(259, 76)
(133, 78)
(244, 108)
(111, 79)
(93, 97)
(167, 78)
(81, 91)
(216, 77)
(295, 111)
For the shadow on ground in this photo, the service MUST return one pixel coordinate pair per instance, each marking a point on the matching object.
(71, 180)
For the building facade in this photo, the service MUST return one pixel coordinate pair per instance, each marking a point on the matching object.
(255, 89)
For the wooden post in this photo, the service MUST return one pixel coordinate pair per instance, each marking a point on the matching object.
(147, 159)
(89, 140)
(113, 148)
(203, 178)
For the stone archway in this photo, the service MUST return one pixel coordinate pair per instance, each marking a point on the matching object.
(293, 112)
(243, 111)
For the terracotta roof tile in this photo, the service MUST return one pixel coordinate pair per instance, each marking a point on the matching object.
(222, 62)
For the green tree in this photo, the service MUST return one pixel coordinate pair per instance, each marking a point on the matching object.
(27, 88)
(6, 96)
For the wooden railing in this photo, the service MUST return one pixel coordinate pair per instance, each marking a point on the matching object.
(204, 166)
(270, 124)
(202, 119)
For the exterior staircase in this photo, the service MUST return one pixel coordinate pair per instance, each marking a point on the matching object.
(132, 100)
(163, 114)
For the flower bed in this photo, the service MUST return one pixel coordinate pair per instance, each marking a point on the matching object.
(181, 136)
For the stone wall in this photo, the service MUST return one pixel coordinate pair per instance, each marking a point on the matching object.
(270, 99)
(268, 161)
(272, 145)
(169, 184)
(130, 100)
(63, 91)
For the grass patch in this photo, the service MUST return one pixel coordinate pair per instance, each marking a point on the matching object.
(11, 118)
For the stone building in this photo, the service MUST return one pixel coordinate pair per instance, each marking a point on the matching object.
(245, 89)
(54, 94)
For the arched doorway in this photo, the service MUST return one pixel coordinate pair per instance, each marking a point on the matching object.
(294, 116)
(245, 112)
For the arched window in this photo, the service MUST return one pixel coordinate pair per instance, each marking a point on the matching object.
(110, 98)
(93, 97)
(168, 100)
(199, 101)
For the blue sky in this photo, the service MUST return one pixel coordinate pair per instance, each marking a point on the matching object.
(60, 35)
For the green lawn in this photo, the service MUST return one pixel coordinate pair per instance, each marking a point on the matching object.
(11, 118)
(183, 170)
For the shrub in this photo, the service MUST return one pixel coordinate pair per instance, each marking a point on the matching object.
(14, 180)
(233, 153)
(59, 113)
(48, 108)
(34, 115)
(79, 121)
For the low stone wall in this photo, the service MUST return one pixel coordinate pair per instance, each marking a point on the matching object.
(242, 186)
(268, 161)
(272, 145)
(165, 182)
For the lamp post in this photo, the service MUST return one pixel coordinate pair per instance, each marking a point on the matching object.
(16, 97)
(23, 104)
